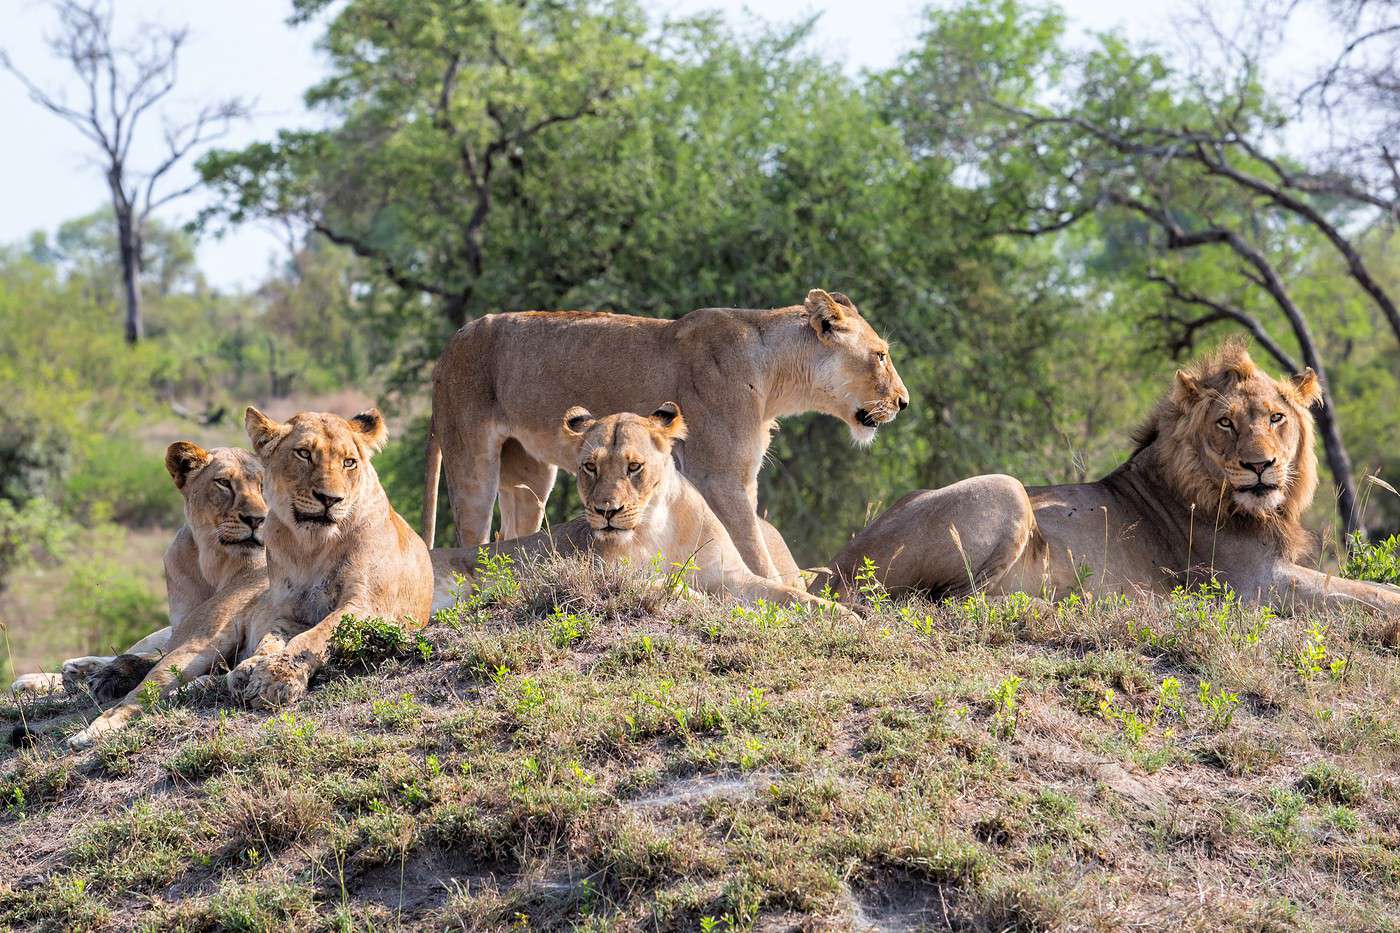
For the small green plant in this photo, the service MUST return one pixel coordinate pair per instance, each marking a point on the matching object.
(1215, 606)
(765, 615)
(565, 627)
(370, 640)
(1327, 783)
(869, 586)
(673, 577)
(1005, 709)
(1378, 563)
(1312, 658)
(529, 696)
(495, 580)
(1219, 704)
(397, 712)
(1134, 727)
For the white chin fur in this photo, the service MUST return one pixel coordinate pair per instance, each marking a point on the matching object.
(1259, 504)
(861, 436)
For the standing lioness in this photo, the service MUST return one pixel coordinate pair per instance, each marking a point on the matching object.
(504, 382)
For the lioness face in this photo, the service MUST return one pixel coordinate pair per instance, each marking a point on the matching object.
(1250, 430)
(855, 375)
(222, 489)
(317, 465)
(623, 460)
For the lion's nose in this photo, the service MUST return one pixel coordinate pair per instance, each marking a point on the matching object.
(903, 402)
(1258, 466)
(253, 521)
(327, 500)
(607, 511)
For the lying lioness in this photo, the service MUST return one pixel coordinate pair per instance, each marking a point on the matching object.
(217, 555)
(1223, 471)
(505, 380)
(636, 506)
(335, 546)
(224, 509)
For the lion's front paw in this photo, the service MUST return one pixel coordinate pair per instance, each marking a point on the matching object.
(77, 671)
(269, 681)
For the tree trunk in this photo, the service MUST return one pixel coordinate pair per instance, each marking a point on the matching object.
(1340, 464)
(129, 244)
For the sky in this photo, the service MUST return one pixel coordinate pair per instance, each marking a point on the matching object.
(245, 49)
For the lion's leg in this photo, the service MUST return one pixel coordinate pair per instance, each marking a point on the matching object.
(945, 541)
(106, 678)
(1293, 587)
(738, 512)
(178, 668)
(37, 683)
(525, 486)
(473, 467)
(276, 678)
(788, 571)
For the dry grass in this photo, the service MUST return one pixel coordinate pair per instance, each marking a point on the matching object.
(591, 753)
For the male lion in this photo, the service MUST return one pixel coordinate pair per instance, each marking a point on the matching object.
(505, 380)
(1223, 470)
(636, 505)
(335, 546)
(224, 509)
(214, 570)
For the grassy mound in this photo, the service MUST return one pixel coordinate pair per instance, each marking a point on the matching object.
(584, 749)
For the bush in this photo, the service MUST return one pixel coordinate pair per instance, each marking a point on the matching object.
(113, 606)
(118, 480)
(1379, 562)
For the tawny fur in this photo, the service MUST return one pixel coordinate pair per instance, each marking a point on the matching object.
(1223, 471)
(505, 380)
(638, 508)
(214, 569)
(335, 546)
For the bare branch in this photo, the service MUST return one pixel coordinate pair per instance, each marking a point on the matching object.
(1221, 311)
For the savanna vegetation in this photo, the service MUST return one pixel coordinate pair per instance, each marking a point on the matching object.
(1043, 224)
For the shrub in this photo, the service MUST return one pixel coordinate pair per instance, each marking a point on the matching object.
(369, 641)
(119, 480)
(1379, 562)
(111, 604)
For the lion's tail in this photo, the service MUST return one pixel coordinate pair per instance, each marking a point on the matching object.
(430, 486)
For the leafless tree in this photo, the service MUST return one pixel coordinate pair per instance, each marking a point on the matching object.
(120, 84)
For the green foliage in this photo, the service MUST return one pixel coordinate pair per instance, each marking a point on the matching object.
(112, 606)
(1379, 562)
(368, 641)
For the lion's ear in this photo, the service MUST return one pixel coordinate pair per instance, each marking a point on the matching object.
(578, 420)
(1187, 388)
(1307, 388)
(668, 419)
(183, 460)
(369, 425)
(824, 313)
(263, 431)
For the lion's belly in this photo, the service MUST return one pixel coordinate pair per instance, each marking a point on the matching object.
(1091, 544)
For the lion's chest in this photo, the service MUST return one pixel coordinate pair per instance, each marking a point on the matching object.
(308, 599)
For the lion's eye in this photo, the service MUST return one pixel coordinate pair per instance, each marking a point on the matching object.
(224, 484)
(1276, 417)
(1226, 423)
(589, 468)
(350, 463)
(634, 468)
(303, 453)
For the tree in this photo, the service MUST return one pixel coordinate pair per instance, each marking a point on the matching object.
(121, 84)
(441, 107)
(1191, 154)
